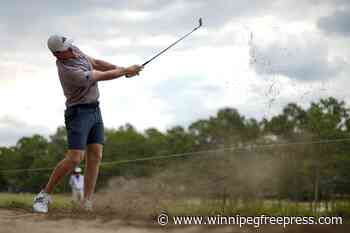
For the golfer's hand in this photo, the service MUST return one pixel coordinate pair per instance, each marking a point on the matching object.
(131, 71)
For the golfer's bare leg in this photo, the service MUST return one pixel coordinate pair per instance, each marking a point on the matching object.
(64, 167)
(92, 163)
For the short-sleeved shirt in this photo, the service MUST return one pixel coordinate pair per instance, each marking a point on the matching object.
(76, 79)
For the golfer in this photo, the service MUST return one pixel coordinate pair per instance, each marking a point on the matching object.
(79, 75)
(76, 182)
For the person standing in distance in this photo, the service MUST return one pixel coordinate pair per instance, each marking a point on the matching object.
(76, 182)
(79, 75)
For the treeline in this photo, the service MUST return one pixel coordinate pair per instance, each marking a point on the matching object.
(317, 170)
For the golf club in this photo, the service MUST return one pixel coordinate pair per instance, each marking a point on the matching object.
(161, 52)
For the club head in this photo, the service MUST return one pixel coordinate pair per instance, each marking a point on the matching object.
(200, 22)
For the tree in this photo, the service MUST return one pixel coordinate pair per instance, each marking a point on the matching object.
(178, 140)
(327, 119)
(290, 124)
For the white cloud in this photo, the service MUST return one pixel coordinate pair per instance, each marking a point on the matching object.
(207, 71)
(11, 129)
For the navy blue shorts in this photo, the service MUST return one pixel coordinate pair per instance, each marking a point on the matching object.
(84, 126)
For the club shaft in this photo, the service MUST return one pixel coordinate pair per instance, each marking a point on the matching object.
(161, 52)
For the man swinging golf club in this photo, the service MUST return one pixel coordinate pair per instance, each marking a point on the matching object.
(79, 75)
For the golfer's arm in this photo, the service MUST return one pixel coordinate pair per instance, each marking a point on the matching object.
(108, 75)
(101, 65)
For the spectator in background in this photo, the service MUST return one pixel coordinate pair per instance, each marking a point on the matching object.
(76, 181)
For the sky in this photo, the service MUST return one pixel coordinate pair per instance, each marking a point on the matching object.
(255, 56)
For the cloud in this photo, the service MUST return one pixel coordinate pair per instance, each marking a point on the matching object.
(206, 72)
(304, 58)
(187, 98)
(28, 24)
(32, 21)
(337, 23)
(12, 129)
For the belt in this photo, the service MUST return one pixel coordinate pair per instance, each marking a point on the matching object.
(89, 105)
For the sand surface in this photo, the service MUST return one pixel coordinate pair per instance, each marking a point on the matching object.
(22, 221)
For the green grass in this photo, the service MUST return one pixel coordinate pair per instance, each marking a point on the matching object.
(25, 201)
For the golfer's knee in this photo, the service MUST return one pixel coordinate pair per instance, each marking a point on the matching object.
(74, 157)
(94, 153)
(95, 156)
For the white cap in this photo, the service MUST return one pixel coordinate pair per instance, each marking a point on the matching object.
(77, 170)
(57, 43)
